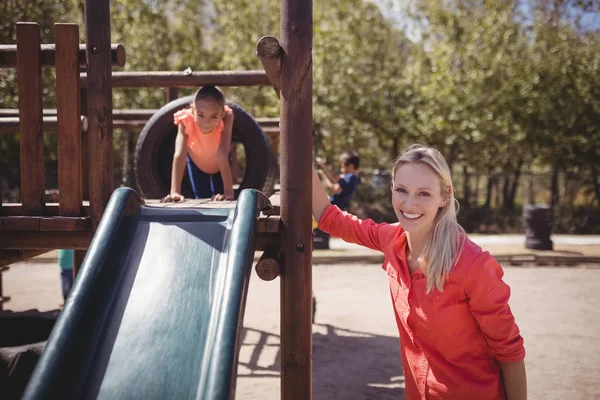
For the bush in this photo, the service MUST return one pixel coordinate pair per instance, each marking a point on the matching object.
(576, 220)
(374, 202)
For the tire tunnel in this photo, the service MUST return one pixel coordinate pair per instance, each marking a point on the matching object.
(156, 144)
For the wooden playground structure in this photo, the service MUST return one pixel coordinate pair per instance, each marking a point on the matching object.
(84, 120)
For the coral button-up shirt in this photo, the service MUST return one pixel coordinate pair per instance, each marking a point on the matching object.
(451, 341)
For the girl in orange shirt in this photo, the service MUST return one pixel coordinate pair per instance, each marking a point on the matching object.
(458, 336)
(204, 144)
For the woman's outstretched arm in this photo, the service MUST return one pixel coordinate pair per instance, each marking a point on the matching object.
(320, 201)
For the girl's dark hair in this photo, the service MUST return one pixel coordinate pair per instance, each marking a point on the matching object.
(210, 93)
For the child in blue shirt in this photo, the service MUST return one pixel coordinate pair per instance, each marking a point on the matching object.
(65, 261)
(342, 187)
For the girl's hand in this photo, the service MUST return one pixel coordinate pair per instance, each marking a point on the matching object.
(222, 197)
(172, 197)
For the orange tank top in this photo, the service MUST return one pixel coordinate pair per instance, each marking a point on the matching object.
(201, 147)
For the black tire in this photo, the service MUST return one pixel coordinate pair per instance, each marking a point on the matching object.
(156, 145)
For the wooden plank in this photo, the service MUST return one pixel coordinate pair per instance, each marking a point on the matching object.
(269, 224)
(296, 192)
(132, 114)
(1, 194)
(20, 223)
(29, 72)
(8, 55)
(32, 240)
(78, 257)
(171, 94)
(8, 257)
(68, 107)
(65, 224)
(268, 241)
(11, 125)
(26, 223)
(268, 122)
(85, 150)
(99, 106)
(51, 209)
(183, 79)
(269, 52)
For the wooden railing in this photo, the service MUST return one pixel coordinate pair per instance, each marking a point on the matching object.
(32, 225)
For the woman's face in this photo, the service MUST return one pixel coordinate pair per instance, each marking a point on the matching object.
(417, 197)
(208, 114)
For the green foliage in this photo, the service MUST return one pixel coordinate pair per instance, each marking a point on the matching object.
(498, 91)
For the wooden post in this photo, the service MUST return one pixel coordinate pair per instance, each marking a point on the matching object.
(183, 79)
(69, 120)
(1, 194)
(29, 73)
(99, 103)
(296, 199)
(85, 150)
(8, 55)
(172, 94)
(269, 51)
(78, 256)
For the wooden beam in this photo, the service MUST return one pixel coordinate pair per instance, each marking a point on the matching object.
(296, 204)
(62, 224)
(78, 257)
(21, 223)
(29, 72)
(9, 119)
(50, 209)
(183, 79)
(8, 257)
(171, 94)
(268, 266)
(11, 125)
(33, 240)
(268, 122)
(269, 52)
(268, 241)
(68, 105)
(8, 55)
(99, 106)
(85, 151)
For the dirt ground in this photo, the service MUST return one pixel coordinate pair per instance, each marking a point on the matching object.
(356, 347)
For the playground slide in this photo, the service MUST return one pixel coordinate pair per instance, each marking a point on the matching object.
(156, 311)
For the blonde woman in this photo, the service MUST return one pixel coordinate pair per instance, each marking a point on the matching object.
(458, 336)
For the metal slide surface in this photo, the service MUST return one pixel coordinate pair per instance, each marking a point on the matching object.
(157, 309)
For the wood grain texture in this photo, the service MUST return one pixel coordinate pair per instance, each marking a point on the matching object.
(29, 72)
(68, 108)
(99, 106)
(296, 144)
(8, 55)
(11, 125)
(48, 240)
(183, 79)
(269, 51)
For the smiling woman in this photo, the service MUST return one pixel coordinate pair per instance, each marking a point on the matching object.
(458, 336)
(423, 200)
